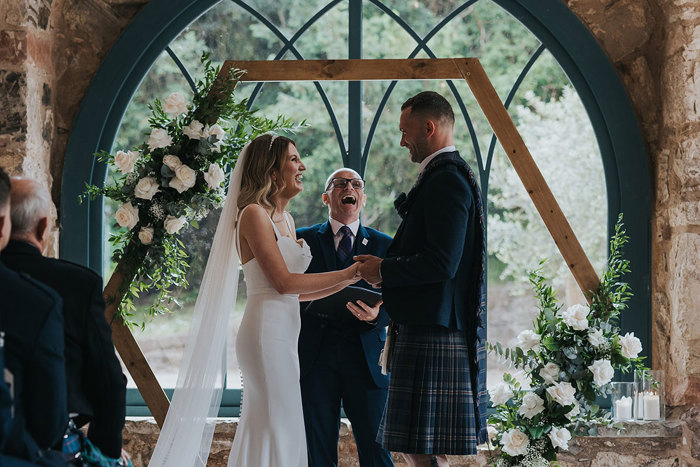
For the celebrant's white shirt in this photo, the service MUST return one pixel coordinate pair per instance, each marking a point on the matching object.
(337, 235)
(427, 160)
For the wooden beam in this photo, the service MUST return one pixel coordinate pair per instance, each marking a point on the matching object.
(129, 350)
(363, 70)
(529, 174)
(345, 70)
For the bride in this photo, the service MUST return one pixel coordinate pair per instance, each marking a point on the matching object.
(254, 226)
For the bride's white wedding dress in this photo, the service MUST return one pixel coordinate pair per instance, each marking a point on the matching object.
(271, 426)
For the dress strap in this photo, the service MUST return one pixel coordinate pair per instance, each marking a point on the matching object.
(238, 230)
(277, 232)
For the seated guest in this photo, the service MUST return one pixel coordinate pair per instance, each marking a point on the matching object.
(30, 317)
(96, 384)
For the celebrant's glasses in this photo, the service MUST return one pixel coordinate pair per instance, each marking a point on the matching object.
(340, 182)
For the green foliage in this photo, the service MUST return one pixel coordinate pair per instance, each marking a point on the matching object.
(183, 174)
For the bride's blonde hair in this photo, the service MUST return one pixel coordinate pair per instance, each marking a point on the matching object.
(266, 154)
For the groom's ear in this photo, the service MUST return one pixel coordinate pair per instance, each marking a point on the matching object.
(324, 199)
(430, 127)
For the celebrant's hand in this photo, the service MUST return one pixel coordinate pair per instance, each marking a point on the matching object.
(364, 312)
(369, 268)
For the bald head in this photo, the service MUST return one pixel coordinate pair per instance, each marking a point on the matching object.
(30, 210)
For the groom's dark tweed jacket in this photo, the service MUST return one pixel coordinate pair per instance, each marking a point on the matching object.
(434, 270)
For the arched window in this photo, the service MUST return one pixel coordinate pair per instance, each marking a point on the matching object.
(556, 82)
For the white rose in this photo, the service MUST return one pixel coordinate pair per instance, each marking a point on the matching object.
(492, 432)
(515, 442)
(574, 411)
(562, 393)
(576, 317)
(630, 345)
(146, 235)
(560, 437)
(127, 215)
(215, 130)
(173, 224)
(596, 338)
(500, 393)
(214, 176)
(175, 104)
(529, 340)
(172, 162)
(532, 405)
(550, 373)
(159, 139)
(177, 184)
(602, 372)
(125, 161)
(146, 188)
(186, 175)
(193, 130)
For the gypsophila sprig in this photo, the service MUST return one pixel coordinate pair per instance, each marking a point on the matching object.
(568, 358)
(172, 180)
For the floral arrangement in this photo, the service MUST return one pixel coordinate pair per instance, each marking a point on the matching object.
(173, 180)
(568, 358)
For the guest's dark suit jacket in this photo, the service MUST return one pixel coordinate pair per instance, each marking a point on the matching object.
(96, 384)
(434, 266)
(30, 316)
(320, 239)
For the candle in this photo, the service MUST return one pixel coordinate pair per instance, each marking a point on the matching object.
(652, 408)
(639, 406)
(623, 408)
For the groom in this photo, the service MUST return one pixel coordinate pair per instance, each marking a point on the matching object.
(339, 349)
(433, 287)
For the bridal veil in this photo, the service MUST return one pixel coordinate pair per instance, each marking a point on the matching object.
(187, 433)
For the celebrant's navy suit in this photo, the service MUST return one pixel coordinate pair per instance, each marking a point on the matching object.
(339, 359)
(433, 277)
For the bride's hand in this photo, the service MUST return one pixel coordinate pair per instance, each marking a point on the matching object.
(353, 273)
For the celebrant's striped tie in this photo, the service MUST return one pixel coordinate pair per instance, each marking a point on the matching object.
(345, 245)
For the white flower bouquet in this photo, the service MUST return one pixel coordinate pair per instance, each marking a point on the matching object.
(569, 357)
(173, 180)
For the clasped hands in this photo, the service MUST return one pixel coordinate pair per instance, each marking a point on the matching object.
(368, 268)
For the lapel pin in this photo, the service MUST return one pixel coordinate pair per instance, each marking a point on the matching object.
(364, 242)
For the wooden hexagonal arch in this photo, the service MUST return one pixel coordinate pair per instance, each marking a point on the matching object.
(472, 72)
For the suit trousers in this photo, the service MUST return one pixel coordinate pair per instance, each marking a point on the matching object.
(340, 375)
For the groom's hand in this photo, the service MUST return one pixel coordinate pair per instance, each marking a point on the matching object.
(370, 268)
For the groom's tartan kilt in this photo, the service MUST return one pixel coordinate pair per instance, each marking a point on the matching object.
(430, 408)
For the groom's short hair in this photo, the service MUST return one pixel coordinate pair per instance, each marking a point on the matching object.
(430, 104)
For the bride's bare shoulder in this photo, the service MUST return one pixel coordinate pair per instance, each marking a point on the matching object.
(253, 215)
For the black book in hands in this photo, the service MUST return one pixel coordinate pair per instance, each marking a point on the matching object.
(334, 306)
